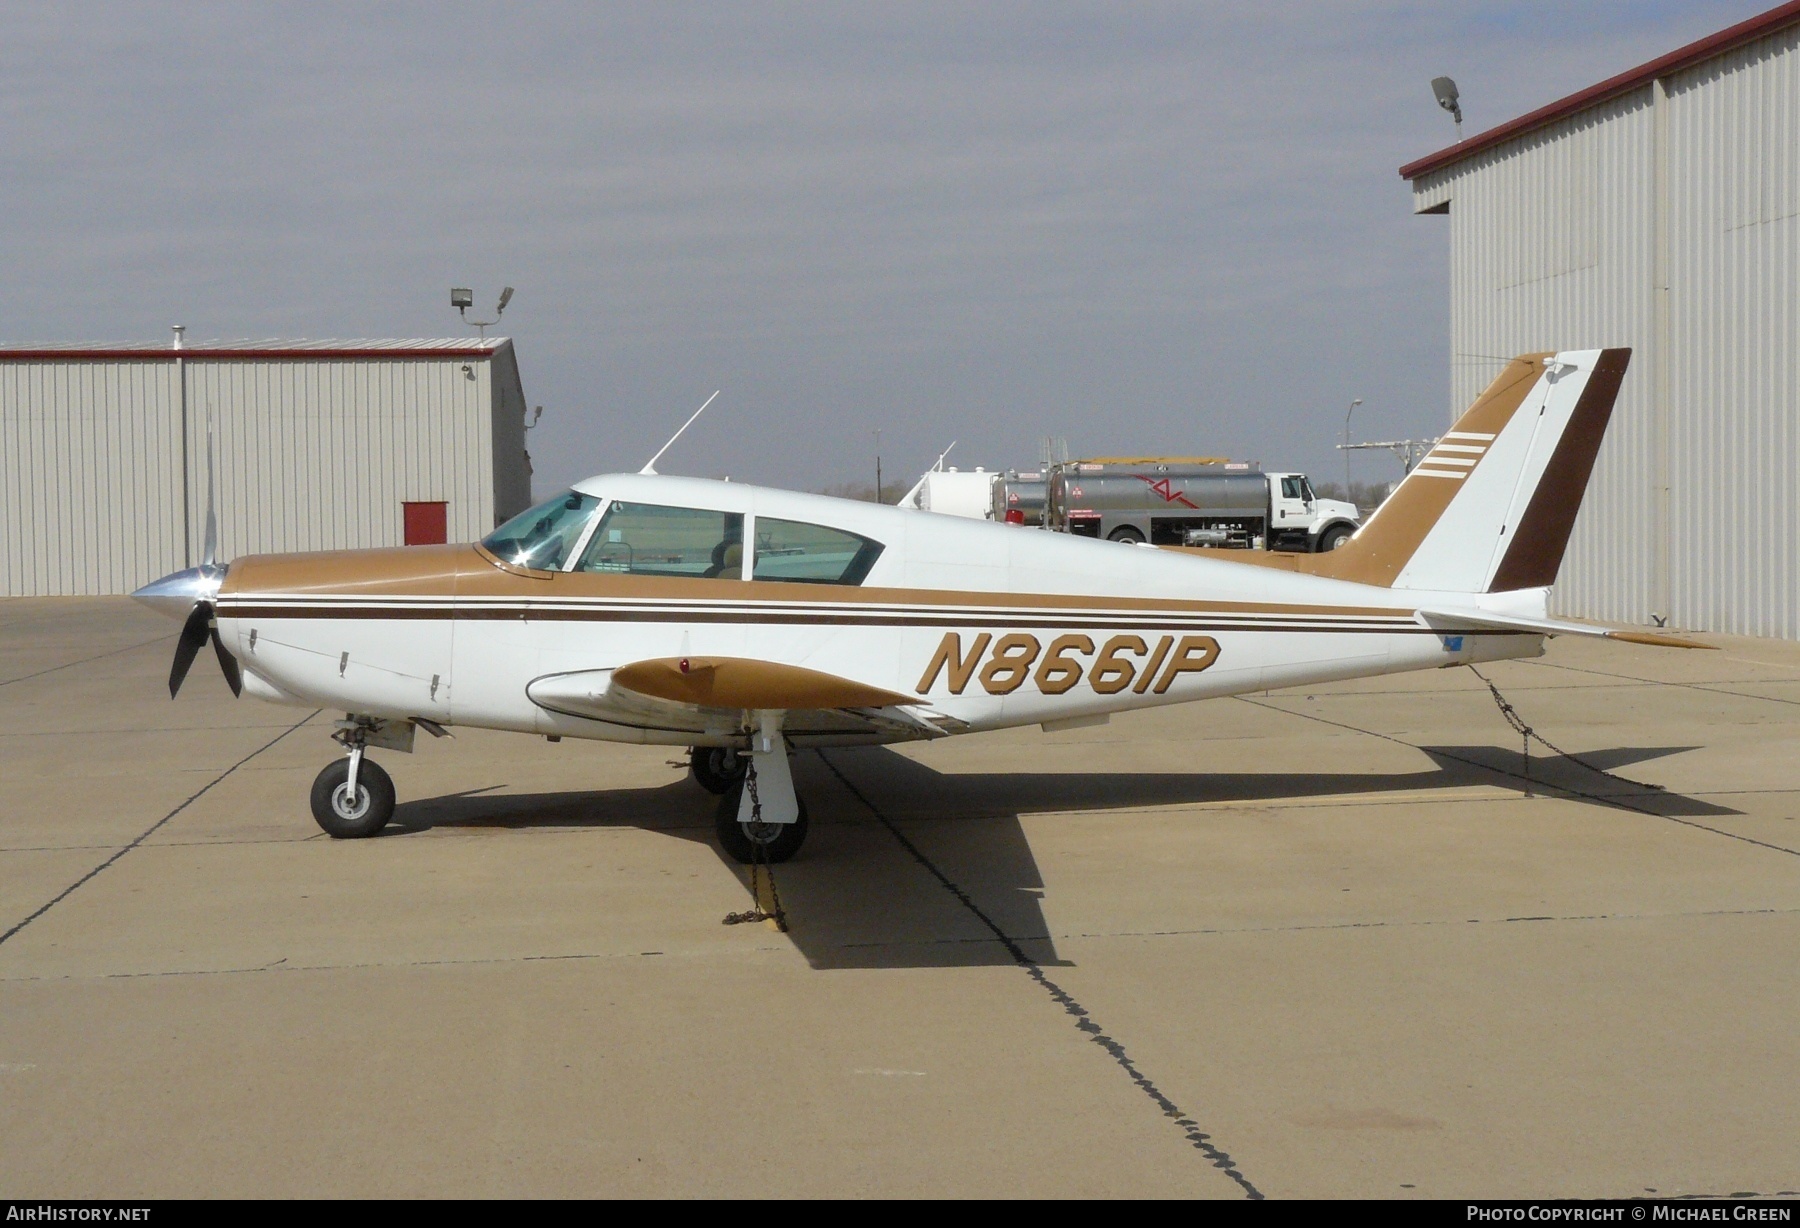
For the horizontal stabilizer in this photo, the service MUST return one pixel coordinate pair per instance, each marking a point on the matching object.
(1472, 620)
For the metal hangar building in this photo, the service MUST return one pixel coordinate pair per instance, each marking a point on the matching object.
(318, 445)
(1658, 210)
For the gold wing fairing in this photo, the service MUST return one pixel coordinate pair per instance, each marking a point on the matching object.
(709, 697)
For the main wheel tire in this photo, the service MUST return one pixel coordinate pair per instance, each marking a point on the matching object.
(347, 819)
(1334, 537)
(715, 768)
(779, 841)
(1125, 533)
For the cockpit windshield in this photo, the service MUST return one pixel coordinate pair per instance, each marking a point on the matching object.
(542, 537)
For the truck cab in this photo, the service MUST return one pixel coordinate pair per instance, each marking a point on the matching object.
(1301, 521)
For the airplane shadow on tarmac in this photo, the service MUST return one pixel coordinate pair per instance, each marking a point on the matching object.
(866, 891)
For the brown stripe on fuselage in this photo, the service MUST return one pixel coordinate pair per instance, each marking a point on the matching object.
(461, 572)
(698, 615)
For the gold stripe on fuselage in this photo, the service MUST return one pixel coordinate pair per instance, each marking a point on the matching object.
(434, 582)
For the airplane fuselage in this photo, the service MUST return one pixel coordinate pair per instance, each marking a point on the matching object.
(978, 626)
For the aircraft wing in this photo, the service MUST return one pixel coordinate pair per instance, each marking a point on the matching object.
(1481, 620)
(709, 695)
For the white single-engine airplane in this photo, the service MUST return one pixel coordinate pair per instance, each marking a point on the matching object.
(744, 622)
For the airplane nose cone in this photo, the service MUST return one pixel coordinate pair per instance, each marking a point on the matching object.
(175, 594)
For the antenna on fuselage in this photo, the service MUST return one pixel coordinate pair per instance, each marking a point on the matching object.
(650, 465)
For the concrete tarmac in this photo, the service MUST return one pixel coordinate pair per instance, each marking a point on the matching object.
(1322, 942)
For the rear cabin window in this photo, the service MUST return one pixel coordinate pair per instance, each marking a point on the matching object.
(811, 553)
(543, 536)
(644, 539)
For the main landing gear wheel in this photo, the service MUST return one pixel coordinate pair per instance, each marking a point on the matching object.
(1125, 533)
(348, 818)
(717, 768)
(777, 841)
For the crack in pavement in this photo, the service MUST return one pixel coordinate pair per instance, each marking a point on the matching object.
(282, 965)
(1691, 686)
(1084, 1021)
(66, 892)
(161, 639)
(1601, 799)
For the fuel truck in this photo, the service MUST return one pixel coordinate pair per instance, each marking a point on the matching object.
(1194, 501)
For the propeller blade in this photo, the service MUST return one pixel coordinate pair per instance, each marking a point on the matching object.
(193, 635)
(234, 677)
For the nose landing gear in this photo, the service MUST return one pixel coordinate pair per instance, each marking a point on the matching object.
(353, 797)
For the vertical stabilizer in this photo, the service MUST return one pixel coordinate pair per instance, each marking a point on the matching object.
(1490, 508)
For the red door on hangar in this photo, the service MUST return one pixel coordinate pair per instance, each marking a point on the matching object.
(426, 524)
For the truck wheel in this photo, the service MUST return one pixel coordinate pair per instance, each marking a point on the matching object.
(1334, 537)
(1125, 533)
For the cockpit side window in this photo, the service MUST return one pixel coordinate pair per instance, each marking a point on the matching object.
(542, 537)
(811, 553)
(645, 539)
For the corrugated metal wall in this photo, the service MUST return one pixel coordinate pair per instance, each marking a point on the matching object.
(1562, 238)
(320, 455)
(90, 476)
(1734, 353)
(312, 454)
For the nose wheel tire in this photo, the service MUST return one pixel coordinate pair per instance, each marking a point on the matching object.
(347, 818)
(779, 841)
(717, 768)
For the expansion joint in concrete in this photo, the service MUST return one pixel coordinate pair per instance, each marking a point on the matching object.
(1084, 1021)
(73, 887)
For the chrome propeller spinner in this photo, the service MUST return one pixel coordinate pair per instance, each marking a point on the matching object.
(191, 595)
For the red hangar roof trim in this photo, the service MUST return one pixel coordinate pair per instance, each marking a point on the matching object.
(262, 351)
(1712, 45)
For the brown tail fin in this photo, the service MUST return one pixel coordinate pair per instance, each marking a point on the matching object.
(1490, 508)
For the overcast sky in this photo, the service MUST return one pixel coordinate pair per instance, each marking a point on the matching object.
(1145, 227)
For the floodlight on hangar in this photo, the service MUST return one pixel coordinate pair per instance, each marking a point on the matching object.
(1449, 99)
(462, 298)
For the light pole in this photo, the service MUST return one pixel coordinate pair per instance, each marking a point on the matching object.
(1347, 413)
(878, 497)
